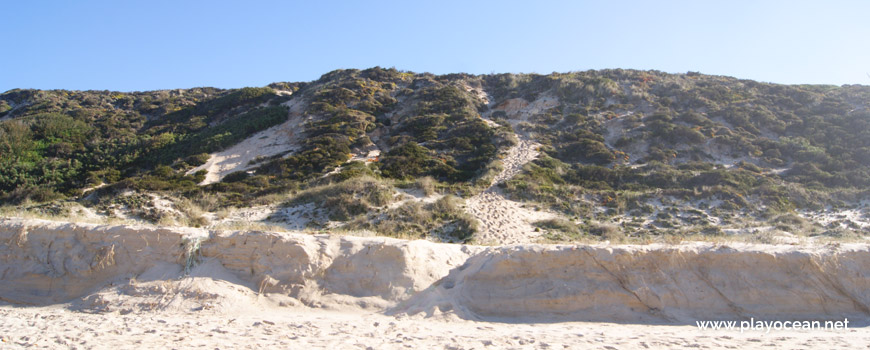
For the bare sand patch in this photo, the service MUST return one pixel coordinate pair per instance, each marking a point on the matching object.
(282, 139)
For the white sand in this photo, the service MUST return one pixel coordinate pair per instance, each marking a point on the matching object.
(505, 221)
(299, 328)
(106, 287)
(284, 138)
(855, 218)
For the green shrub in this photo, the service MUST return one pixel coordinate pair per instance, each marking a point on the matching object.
(607, 232)
(197, 159)
(347, 199)
(412, 160)
(567, 228)
(236, 176)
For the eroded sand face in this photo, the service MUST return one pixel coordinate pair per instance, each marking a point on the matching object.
(96, 286)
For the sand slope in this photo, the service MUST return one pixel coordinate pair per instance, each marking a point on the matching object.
(281, 139)
(502, 220)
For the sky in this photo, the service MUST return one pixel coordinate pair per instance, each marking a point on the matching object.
(148, 45)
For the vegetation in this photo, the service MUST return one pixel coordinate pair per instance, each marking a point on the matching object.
(54, 143)
(348, 199)
(619, 148)
(444, 219)
(620, 138)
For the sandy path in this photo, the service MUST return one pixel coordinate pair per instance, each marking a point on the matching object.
(502, 220)
(300, 328)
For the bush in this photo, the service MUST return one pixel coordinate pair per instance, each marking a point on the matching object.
(236, 176)
(412, 160)
(568, 228)
(586, 150)
(456, 224)
(355, 169)
(197, 159)
(427, 185)
(605, 231)
(163, 171)
(345, 200)
(231, 131)
(443, 219)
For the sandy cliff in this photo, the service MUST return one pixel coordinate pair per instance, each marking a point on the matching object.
(655, 284)
(130, 268)
(47, 262)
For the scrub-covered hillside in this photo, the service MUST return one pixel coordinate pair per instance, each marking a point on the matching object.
(504, 158)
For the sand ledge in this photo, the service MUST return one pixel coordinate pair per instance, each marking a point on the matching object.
(137, 268)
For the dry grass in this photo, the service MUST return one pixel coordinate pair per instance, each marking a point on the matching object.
(104, 258)
(192, 253)
(606, 232)
(192, 212)
(560, 229)
(207, 202)
(224, 213)
(76, 213)
(249, 226)
(427, 184)
(273, 198)
(444, 220)
(346, 200)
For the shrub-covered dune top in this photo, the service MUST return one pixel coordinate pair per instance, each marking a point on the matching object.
(612, 143)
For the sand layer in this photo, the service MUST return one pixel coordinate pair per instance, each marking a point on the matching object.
(67, 284)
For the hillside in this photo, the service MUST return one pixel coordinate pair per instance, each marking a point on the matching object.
(619, 155)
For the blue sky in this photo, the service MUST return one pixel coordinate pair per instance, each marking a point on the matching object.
(146, 45)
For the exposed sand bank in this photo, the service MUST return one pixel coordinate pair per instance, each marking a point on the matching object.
(95, 286)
